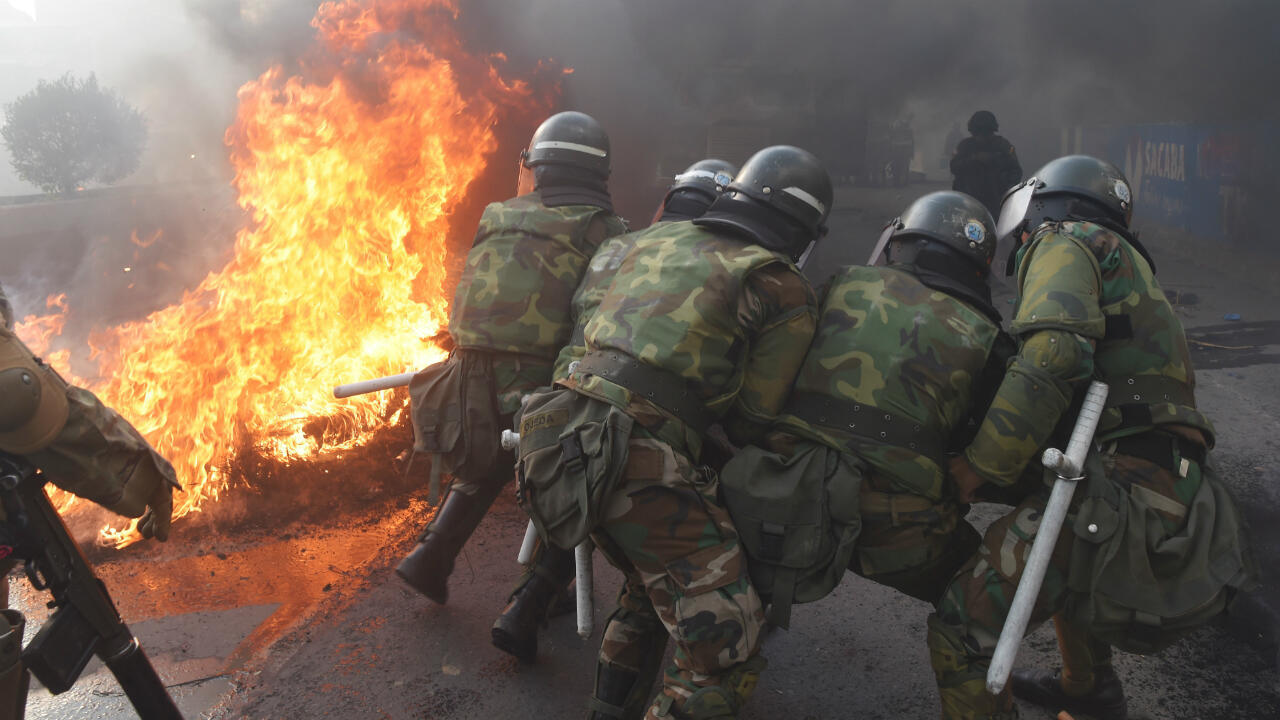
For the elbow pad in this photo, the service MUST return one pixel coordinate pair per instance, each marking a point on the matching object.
(1066, 356)
(1036, 391)
(33, 399)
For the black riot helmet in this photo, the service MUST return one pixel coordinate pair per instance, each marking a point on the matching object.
(695, 189)
(947, 240)
(1075, 187)
(780, 199)
(571, 139)
(950, 222)
(983, 122)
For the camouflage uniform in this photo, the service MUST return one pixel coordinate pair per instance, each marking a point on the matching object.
(509, 319)
(83, 447)
(887, 345)
(515, 297)
(1089, 307)
(513, 302)
(90, 450)
(595, 284)
(728, 321)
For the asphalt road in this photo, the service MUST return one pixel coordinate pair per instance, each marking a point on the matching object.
(303, 618)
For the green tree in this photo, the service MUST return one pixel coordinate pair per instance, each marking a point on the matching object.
(71, 131)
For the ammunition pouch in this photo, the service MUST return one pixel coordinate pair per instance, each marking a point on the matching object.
(664, 389)
(33, 399)
(1138, 588)
(573, 454)
(797, 518)
(455, 414)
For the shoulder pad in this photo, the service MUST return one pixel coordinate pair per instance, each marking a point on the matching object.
(1059, 282)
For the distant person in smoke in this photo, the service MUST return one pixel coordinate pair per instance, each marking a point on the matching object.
(985, 164)
(511, 315)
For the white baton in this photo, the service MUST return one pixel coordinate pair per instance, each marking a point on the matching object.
(1070, 467)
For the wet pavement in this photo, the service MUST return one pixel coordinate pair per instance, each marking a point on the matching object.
(302, 617)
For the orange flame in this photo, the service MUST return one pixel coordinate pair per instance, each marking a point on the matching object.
(38, 332)
(351, 171)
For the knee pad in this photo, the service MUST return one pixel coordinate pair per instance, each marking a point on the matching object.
(717, 702)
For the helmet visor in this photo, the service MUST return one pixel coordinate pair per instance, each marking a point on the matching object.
(524, 178)
(878, 254)
(1014, 209)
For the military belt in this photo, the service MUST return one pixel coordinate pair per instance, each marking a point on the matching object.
(867, 424)
(1133, 396)
(664, 389)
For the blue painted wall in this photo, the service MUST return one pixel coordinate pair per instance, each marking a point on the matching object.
(1207, 180)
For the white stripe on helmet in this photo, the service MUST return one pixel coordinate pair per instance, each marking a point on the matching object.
(575, 147)
(806, 198)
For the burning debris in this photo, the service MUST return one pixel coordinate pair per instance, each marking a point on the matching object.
(351, 166)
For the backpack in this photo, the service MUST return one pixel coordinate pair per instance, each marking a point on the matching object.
(798, 520)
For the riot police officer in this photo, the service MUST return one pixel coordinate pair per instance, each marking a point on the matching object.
(511, 315)
(692, 192)
(704, 322)
(1153, 544)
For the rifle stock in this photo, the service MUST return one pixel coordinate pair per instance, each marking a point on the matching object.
(85, 622)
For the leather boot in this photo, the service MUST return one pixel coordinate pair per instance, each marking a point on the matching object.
(515, 632)
(428, 567)
(1105, 701)
(1086, 684)
(14, 679)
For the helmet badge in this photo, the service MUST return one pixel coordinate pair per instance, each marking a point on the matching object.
(1121, 191)
(974, 231)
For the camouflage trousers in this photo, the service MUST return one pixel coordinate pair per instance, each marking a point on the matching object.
(679, 551)
(963, 632)
(910, 543)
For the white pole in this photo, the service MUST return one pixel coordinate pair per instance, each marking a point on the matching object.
(1069, 466)
(374, 385)
(526, 547)
(586, 601)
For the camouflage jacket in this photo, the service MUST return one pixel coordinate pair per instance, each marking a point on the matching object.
(730, 318)
(1090, 284)
(516, 290)
(595, 283)
(887, 344)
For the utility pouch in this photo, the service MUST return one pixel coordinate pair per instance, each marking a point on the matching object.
(573, 454)
(1136, 586)
(455, 414)
(798, 519)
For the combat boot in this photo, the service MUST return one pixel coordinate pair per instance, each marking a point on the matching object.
(14, 679)
(428, 567)
(515, 632)
(1105, 701)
